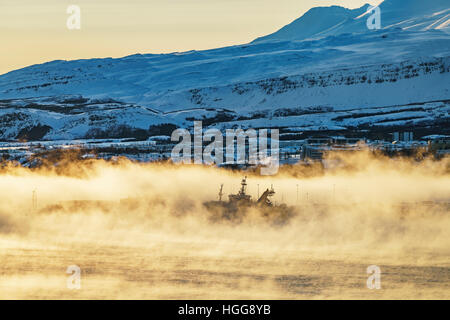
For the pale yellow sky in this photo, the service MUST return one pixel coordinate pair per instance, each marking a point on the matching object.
(34, 31)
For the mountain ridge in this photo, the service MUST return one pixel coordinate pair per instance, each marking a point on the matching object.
(334, 20)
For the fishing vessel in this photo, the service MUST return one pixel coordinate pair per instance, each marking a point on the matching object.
(240, 205)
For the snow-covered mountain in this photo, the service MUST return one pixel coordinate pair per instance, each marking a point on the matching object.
(325, 21)
(347, 77)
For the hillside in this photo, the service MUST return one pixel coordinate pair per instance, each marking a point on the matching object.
(394, 77)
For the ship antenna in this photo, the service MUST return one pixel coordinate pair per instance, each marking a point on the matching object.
(243, 184)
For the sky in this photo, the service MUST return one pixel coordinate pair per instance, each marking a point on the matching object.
(36, 31)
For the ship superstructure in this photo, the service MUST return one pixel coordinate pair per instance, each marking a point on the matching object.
(240, 203)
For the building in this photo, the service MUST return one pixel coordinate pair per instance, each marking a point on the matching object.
(403, 136)
(316, 147)
(438, 144)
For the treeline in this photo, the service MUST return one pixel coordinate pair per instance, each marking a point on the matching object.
(126, 131)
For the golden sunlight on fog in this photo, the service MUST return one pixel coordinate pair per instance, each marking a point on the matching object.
(141, 231)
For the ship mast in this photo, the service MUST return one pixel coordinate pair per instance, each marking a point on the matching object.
(243, 186)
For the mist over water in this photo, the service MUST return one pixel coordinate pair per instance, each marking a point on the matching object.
(141, 231)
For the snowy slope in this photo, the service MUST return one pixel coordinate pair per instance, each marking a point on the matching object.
(160, 81)
(325, 21)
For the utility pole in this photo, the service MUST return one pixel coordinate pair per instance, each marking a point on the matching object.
(221, 192)
(34, 200)
(258, 190)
